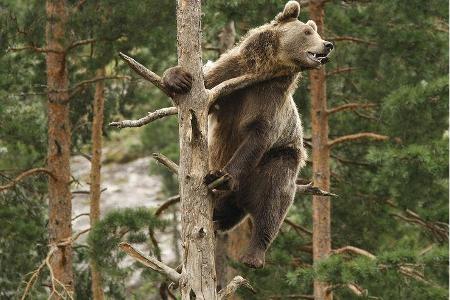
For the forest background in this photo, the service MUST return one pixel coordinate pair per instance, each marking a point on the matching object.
(388, 76)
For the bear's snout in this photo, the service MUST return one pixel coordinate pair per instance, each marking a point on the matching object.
(329, 46)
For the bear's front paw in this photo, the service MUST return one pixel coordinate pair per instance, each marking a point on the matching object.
(229, 184)
(254, 259)
(177, 80)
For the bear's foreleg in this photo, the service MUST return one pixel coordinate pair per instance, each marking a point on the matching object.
(273, 191)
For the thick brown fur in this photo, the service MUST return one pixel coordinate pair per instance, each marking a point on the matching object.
(255, 134)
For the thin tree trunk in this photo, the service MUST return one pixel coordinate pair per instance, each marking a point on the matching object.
(320, 158)
(59, 141)
(198, 275)
(97, 130)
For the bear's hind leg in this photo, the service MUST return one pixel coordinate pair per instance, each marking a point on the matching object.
(272, 193)
(227, 213)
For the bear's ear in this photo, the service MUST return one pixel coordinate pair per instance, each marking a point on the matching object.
(291, 11)
(312, 24)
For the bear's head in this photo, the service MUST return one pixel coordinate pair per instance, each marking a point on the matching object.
(299, 43)
(286, 42)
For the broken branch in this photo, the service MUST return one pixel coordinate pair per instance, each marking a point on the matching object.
(357, 136)
(145, 73)
(309, 189)
(152, 116)
(350, 106)
(164, 160)
(151, 262)
(232, 287)
(355, 250)
(26, 174)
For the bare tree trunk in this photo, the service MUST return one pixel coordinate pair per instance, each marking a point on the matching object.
(198, 275)
(97, 130)
(320, 158)
(59, 141)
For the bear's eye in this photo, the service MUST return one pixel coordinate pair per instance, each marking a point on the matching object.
(308, 32)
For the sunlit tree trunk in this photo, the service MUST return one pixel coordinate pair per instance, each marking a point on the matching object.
(320, 158)
(97, 130)
(59, 141)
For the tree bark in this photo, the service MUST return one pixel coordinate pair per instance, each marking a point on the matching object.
(198, 275)
(97, 130)
(59, 141)
(320, 158)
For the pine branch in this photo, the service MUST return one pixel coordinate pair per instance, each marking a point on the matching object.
(298, 228)
(33, 48)
(355, 250)
(25, 174)
(346, 38)
(81, 43)
(79, 216)
(232, 287)
(145, 73)
(357, 136)
(341, 70)
(152, 116)
(169, 202)
(438, 229)
(350, 106)
(403, 269)
(151, 262)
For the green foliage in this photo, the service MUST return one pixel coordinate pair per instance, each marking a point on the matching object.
(131, 225)
(22, 238)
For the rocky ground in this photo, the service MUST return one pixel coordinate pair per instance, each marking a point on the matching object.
(127, 185)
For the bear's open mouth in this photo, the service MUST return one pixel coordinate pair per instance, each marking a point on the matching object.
(318, 57)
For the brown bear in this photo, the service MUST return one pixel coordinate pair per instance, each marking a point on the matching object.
(255, 134)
